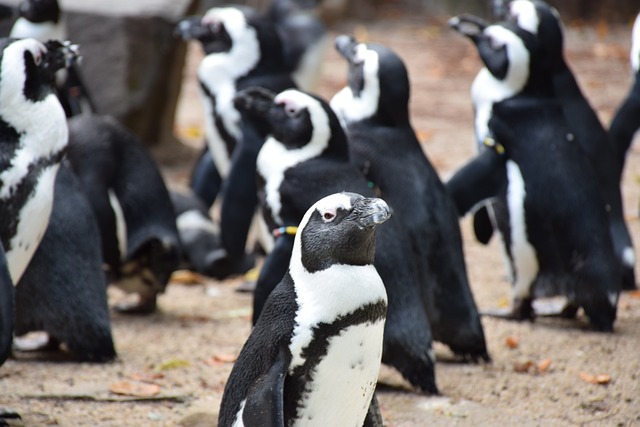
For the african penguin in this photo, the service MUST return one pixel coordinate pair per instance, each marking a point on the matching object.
(140, 242)
(63, 290)
(7, 309)
(544, 22)
(373, 107)
(314, 354)
(34, 134)
(44, 20)
(626, 120)
(558, 240)
(242, 48)
(304, 158)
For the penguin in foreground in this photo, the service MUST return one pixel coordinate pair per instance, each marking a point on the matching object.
(34, 133)
(34, 137)
(313, 357)
(304, 158)
(140, 241)
(44, 20)
(543, 21)
(242, 49)
(374, 108)
(63, 291)
(626, 121)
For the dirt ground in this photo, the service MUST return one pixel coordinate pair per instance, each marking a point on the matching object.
(178, 359)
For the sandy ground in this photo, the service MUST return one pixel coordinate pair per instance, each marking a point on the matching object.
(180, 357)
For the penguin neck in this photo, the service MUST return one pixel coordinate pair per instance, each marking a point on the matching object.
(42, 31)
(352, 105)
(218, 69)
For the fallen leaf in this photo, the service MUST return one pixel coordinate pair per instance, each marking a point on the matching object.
(634, 294)
(512, 342)
(225, 358)
(523, 367)
(186, 277)
(173, 364)
(146, 377)
(424, 135)
(595, 379)
(504, 302)
(544, 365)
(137, 389)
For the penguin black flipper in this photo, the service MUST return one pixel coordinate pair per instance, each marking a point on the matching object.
(63, 290)
(7, 309)
(626, 122)
(481, 178)
(265, 400)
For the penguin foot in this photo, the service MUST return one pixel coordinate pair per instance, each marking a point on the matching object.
(522, 309)
(145, 304)
(35, 341)
(552, 307)
(221, 266)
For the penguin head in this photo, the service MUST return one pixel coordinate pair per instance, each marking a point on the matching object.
(39, 11)
(542, 20)
(339, 229)
(635, 46)
(513, 59)
(378, 79)
(28, 66)
(239, 31)
(295, 119)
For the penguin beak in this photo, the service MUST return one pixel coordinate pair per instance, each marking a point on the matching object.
(255, 100)
(60, 55)
(191, 28)
(468, 25)
(345, 45)
(370, 212)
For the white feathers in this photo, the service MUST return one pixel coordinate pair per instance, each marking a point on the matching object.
(42, 31)
(635, 45)
(274, 159)
(525, 262)
(121, 223)
(350, 107)
(218, 73)
(525, 13)
(629, 256)
(487, 89)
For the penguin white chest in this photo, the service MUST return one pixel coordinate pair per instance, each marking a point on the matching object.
(344, 381)
(33, 220)
(524, 256)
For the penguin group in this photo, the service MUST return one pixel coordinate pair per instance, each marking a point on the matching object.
(362, 253)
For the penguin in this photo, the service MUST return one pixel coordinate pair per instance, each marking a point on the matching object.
(626, 120)
(199, 235)
(306, 157)
(544, 22)
(34, 133)
(44, 20)
(7, 309)
(63, 290)
(140, 241)
(374, 109)
(242, 49)
(559, 240)
(314, 355)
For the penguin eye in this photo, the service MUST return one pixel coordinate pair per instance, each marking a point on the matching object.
(328, 216)
(37, 57)
(291, 111)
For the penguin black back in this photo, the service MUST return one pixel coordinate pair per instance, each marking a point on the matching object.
(374, 109)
